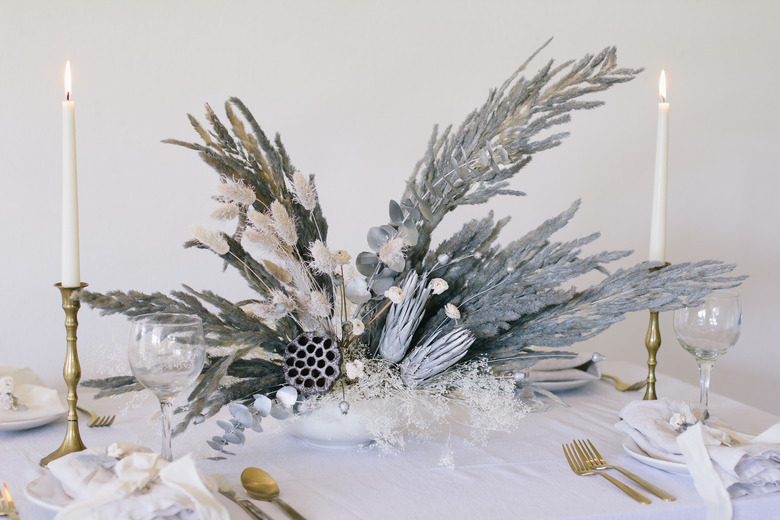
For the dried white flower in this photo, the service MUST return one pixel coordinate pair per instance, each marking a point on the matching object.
(224, 211)
(7, 385)
(395, 294)
(304, 192)
(392, 254)
(213, 240)
(452, 311)
(287, 396)
(354, 369)
(439, 285)
(358, 327)
(283, 224)
(7, 402)
(323, 260)
(237, 192)
(342, 257)
(319, 304)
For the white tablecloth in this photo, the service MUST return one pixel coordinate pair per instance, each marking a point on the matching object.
(517, 475)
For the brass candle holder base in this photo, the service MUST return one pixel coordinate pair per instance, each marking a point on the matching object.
(72, 374)
(653, 343)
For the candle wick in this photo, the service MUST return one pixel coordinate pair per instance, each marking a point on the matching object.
(67, 96)
(663, 99)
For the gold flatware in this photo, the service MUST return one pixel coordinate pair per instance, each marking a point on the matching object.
(578, 467)
(594, 460)
(261, 486)
(7, 506)
(96, 421)
(224, 487)
(620, 386)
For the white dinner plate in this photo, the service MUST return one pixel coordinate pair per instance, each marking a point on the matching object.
(635, 451)
(7, 426)
(47, 492)
(558, 386)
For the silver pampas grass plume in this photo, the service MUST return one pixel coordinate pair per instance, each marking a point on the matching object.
(425, 362)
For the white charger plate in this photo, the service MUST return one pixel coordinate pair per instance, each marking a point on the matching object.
(46, 491)
(8, 426)
(558, 386)
(630, 447)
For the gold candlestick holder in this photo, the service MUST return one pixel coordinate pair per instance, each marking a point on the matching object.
(72, 375)
(652, 343)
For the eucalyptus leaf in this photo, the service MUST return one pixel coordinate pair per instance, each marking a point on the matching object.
(357, 291)
(378, 237)
(396, 213)
(366, 263)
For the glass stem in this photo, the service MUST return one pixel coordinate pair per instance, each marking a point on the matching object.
(166, 407)
(705, 369)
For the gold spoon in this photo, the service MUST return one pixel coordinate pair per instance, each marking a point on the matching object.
(261, 486)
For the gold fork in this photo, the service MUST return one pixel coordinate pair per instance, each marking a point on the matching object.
(594, 460)
(578, 467)
(96, 421)
(7, 504)
(620, 386)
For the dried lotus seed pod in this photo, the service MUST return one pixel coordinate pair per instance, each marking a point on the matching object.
(312, 363)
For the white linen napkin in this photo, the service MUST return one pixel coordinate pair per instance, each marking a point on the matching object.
(121, 482)
(581, 367)
(724, 463)
(40, 401)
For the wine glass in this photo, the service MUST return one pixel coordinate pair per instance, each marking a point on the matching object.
(166, 354)
(708, 331)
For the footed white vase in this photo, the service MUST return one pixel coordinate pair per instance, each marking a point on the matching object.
(328, 428)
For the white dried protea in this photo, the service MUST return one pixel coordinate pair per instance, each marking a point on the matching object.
(434, 357)
(395, 294)
(439, 285)
(283, 224)
(323, 260)
(404, 318)
(224, 211)
(452, 311)
(213, 240)
(304, 192)
(237, 192)
(392, 254)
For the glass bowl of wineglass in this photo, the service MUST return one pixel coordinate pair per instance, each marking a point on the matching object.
(166, 353)
(708, 331)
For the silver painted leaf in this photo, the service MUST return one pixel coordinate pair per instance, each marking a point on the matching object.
(366, 263)
(396, 213)
(262, 405)
(380, 285)
(409, 234)
(357, 291)
(379, 236)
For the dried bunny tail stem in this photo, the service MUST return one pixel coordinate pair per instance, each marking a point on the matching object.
(304, 191)
(214, 241)
(237, 192)
(225, 211)
(283, 224)
(323, 260)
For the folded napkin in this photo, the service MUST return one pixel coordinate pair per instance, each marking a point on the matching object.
(39, 401)
(724, 463)
(128, 482)
(581, 367)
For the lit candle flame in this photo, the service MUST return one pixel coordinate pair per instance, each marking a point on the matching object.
(662, 86)
(67, 80)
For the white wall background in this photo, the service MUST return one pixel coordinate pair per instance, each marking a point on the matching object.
(355, 88)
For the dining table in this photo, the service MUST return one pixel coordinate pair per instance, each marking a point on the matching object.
(519, 474)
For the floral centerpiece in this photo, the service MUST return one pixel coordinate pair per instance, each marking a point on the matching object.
(427, 325)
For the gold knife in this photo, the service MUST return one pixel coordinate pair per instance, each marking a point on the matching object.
(227, 490)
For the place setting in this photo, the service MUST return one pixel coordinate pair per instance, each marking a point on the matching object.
(410, 343)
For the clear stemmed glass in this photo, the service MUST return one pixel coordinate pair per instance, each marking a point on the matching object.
(166, 354)
(708, 331)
